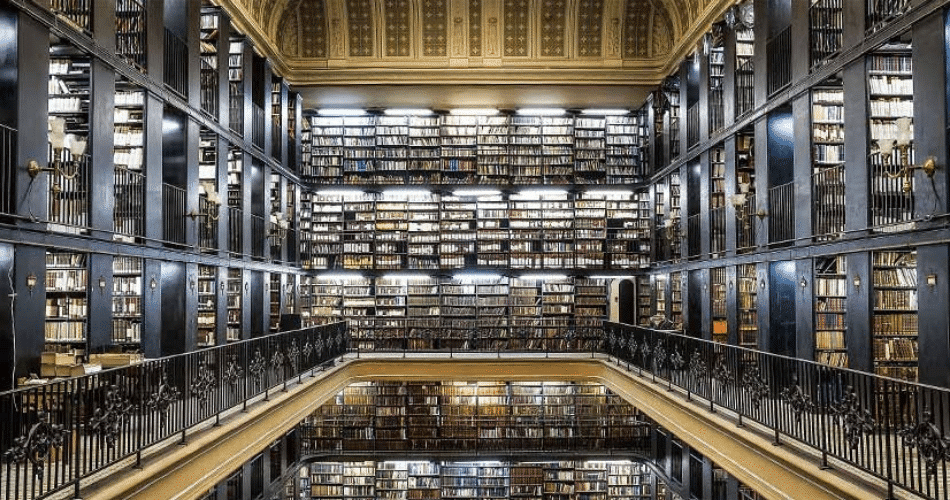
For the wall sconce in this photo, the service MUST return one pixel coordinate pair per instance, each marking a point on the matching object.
(65, 166)
(191, 284)
(672, 228)
(278, 226)
(153, 284)
(857, 282)
(102, 284)
(731, 284)
(902, 142)
(803, 282)
(762, 283)
(31, 282)
(209, 206)
(743, 207)
(932, 281)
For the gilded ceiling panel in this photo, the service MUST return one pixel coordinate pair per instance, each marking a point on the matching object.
(434, 28)
(475, 28)
(359, 16)
(553, 23)
(517, 27)
(398, 33)
(590, 17)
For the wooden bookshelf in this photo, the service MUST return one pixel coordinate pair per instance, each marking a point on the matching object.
(717, 201)
(207, 289)
(644, 300)
(275, 287)
(128, 151)
(717, 304)
(894, 326)
(717, 75)
(828, 172)
(745, 71)
(826, 30)
(67, 302)
(747, 287)
(676, 299)
(130, 32)
(127, 292)
(831, 287)
(235, 304)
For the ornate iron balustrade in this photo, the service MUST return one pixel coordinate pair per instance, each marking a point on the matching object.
(55, 435)
(176, 63)
(779, 61)
(894, 430)
(257, 126)
(174, 200)
(129, 212)
(782, 213)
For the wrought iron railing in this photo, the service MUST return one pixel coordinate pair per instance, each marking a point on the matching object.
(77, 12)
(208, 225)
(745, 224)
(717, 231)
(694, 236)
(826, 30)
(176, 63)
(174, 205)
(276, 136)
(235, 230)
(892, 192)
(257, 125)
(8, 147)
(236, 107)
(69, 184)
(893, 430)
(56, 435)
(210, 84)
(717, 118)
(129, 216)
(881, 12)
(258, 236)
(828, 205)
(779, 65)
(692, 125)
(130, 32)
(745, 87)
(782, 213)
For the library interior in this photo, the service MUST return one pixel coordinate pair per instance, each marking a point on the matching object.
(475, 249)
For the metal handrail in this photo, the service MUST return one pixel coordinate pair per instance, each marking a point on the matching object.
(57, 434)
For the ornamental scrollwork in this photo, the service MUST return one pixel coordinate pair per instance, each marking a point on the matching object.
(659, 355)
(929, 441)
(203, 384)
(233, 373)
(162, 399)
(722, 373)
(258, 366)
(855, 420)
(755, 386)
(277, 360)
(797, 399)
(107, 419)
(293, 356)
(37, 445)
(307, 350)
(676, 360)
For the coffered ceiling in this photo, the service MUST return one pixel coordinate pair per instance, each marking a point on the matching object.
(474, 42)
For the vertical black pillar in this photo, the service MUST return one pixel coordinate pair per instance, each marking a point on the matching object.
(175, 315)
(224, 215)
(152, 309)
(933, 292)
(761, 178)
(930, 115)
(804, 309)
(193, 39)
(732, 305)
(763, 304)
(32, 144)
(761, 31)
(801, 168)
(702, 163)
(854, 80)
(704, 302)
(154, 206)
(100, 303)
(221, 314)
(8, 302)
(102, 175)
(729, 185)
(256, 303)
(29, 315)
(801, 50)
(192, 153)
(860, 312)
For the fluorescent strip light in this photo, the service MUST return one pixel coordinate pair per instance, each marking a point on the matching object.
(340, 276)
(340, 192)
(609, 192)
(605, 112)
(407, 277)
(605, 277)
(474, 111)
(476, 192)
(341, 112)
(407, 111)
(473, 277)
(406, 193)
(543, 277)
(542, 111)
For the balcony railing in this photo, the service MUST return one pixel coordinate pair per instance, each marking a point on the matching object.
(717, 231)
(130, 32)
(893, 430)
(881, 12)
(694, 236)
(828, 205)
(129, 214)
(209, 86)
(56, 435)
(745, 224)
(174, 204)
(892, 192)
(257, 126)
(826, 30)
(77, 12)
(745, 87)
(208, 225)
(235, 230)
(782, 213)
(8, 147)
(717, 118)
(69, 183)
(236, 107)
(692, 125)
(779, 51)
(176, 63)
(258, 236)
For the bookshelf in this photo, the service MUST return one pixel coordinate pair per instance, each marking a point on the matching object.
(277, 123)
(359, 480)
(590, 307)
(895, 349)
(557, 148)
(459, 148)
(130, 32)
(207, 188)
(457, 232)
(77, 13)
(207, 305)
(747, 301)
(67, 303)
(659, 294)
(326, 481)
(209, 61)
(831, 274)
(745, 71)
(717, 75)
(392, 147)
(717, 303)
(745, 191)
(625, 162)
(69, 107)
(717, 201)
(359, 222)
(128, 152)
(275, 288)
(644, 300)
(828, 172)
(890, 104)
(526, 150)
(676, 299)
(127, 301)
(389, 239)
(236, 90)
(235, 304)
(826, 28)
(673, 122)
(424, 145)
(590, 149)
(675, 215)
(492, 231)
(324, 164)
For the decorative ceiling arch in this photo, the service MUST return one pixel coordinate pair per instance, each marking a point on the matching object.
(475, 41)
